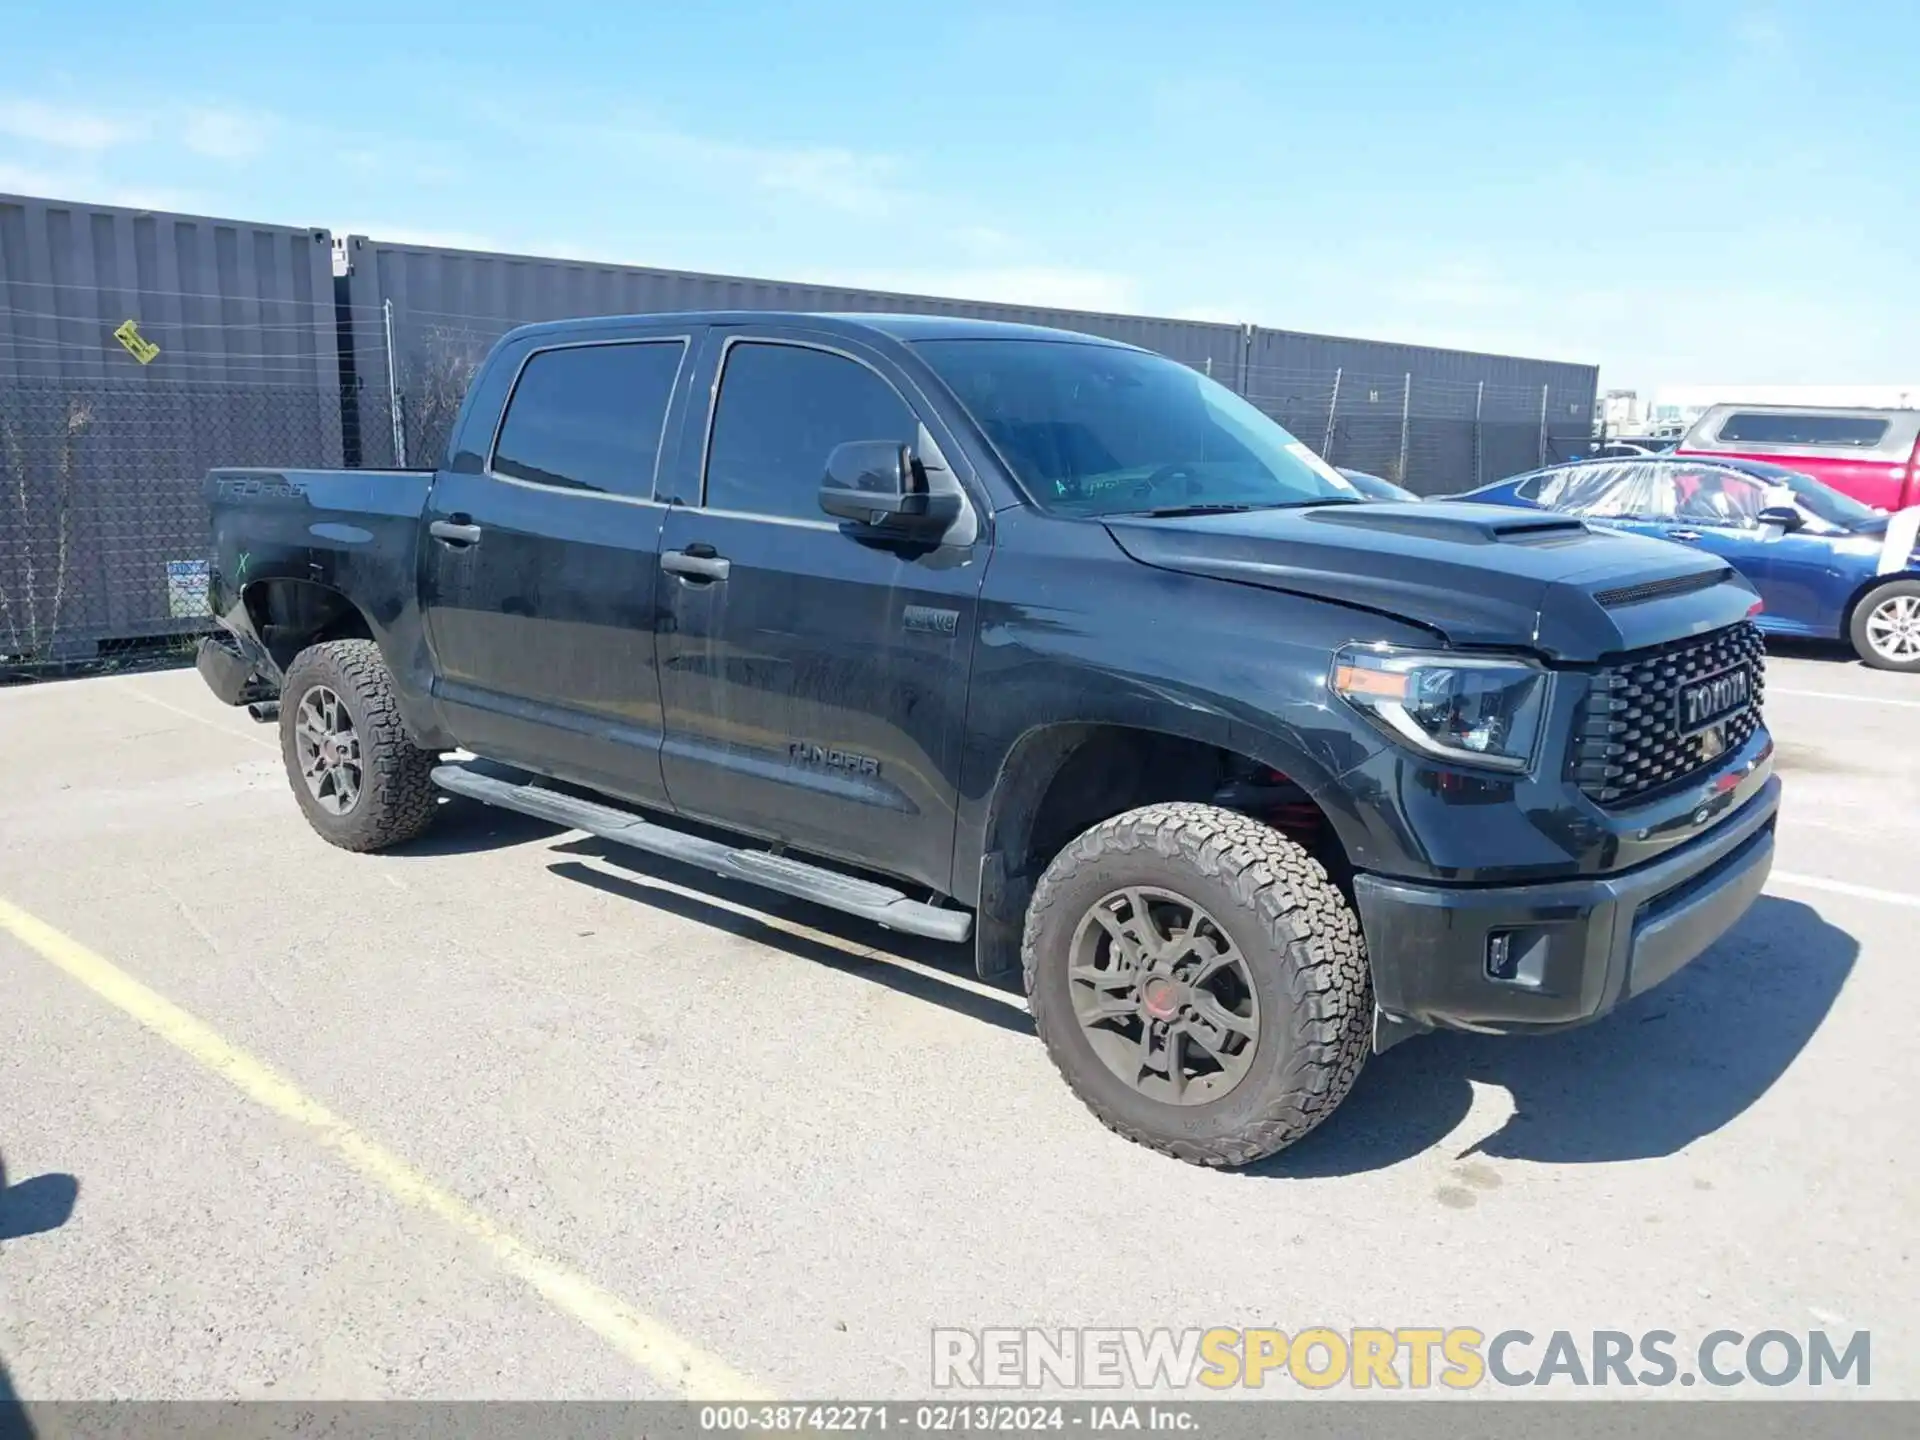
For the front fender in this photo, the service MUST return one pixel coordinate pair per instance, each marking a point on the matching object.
(1075, 633)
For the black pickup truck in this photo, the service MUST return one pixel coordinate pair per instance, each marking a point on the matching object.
(1016, 635)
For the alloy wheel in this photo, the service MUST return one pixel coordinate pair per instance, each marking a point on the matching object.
(1163, 996)
(329, 750)
(1893, 629)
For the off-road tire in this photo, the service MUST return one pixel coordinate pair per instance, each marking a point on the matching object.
(1301, 941)
(1857, 629)
(397, 800)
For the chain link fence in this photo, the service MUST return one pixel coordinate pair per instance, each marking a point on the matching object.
(1433, 436)
(406, 374)
(103, 522)
(104, 528)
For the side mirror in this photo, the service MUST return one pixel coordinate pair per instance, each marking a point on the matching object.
(1782, 517)
(882, 485)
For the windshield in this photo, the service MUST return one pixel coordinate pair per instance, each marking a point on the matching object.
(1825, 504)
(1098, 430)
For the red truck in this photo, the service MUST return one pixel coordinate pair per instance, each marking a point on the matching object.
(1872, 455)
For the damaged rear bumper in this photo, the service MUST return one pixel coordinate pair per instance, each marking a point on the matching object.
(229, 674)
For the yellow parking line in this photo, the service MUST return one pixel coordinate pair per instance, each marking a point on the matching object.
(668, 1357)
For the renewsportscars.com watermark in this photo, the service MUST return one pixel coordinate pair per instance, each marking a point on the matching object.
(1403, 1358)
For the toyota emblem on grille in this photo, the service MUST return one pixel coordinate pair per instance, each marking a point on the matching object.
(1702, 702)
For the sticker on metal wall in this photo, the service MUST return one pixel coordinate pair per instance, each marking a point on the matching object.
(187, 582)
(138, 346)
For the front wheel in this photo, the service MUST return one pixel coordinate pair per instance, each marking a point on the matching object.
(1886, 626)
(361, 782)
(1198, 981)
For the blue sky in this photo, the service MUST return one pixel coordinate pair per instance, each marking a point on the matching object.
(1679, 190)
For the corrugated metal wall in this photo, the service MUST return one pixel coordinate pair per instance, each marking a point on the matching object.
(102, 455)
(449, 306)
(244, 349)
(1436, 420)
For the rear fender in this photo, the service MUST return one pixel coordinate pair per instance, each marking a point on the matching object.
(301, 556)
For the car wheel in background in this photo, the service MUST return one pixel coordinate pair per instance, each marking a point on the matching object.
(1886, 626)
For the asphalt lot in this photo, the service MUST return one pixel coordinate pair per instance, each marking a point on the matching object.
(594, 1125)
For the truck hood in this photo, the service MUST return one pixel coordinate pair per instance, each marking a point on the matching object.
(1478, 575)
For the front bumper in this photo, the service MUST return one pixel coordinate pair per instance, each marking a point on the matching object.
(1572, 950)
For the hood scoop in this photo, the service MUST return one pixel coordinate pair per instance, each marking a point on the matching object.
(1660, 589)
(1461, 524)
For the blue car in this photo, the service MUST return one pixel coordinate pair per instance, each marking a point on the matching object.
(1826, 566)
(1376, 487)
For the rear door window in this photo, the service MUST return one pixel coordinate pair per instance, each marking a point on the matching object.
(1759, 427)
(1708, 495)
(589, 417)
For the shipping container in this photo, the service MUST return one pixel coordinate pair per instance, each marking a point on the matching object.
(449, 306)
(137, 350)
(1436, 420)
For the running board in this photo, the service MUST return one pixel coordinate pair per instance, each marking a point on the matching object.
(879, 903)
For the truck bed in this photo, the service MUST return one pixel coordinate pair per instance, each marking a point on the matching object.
(352, 531)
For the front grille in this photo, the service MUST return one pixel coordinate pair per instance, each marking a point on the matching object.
(1627, 746)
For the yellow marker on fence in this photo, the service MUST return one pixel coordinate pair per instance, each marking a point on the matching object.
(138, 346)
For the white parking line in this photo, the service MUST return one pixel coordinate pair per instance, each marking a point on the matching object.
(1842, 887)
(206, 720)
(1773, 690)
(1862, 825)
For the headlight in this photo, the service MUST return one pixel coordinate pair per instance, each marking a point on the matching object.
(1471, 711)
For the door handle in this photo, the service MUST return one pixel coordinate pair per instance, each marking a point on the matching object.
(455, 533)
(691, 564)
(1688, 535)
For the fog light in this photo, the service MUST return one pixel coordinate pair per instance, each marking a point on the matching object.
(1518, 957)
(1500, 957)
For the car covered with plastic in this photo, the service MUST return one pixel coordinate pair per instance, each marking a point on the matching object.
(1826, 566)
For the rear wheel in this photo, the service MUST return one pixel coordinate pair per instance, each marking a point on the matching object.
(1886, 626)
(361, 782)
(1199, 982)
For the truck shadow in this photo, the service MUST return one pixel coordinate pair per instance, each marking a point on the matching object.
(867, 951)
(1665, 1069)
(466, 827)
